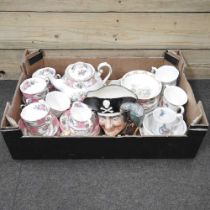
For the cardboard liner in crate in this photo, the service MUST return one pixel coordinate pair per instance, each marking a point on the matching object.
(30, 147)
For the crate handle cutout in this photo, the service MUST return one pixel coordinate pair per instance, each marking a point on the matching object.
(36, 58)
(170, 58)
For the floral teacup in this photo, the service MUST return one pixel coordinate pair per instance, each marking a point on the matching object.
(35, 114)
(45, 74)
(80, 116)
(33, 89)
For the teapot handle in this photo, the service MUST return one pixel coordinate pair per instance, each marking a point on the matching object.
(100, 70)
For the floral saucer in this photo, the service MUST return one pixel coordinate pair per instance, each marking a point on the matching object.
(45, 130)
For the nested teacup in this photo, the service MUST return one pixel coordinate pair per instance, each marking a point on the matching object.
(33, 89)
(82, 120)
(58, 102)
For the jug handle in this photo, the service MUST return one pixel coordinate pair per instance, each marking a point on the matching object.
(100, 70)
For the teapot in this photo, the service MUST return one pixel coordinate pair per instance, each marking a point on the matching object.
(80, 78)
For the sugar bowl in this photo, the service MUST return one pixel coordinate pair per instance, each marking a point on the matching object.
(145, 86)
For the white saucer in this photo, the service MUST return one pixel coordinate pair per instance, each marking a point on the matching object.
(146, 130)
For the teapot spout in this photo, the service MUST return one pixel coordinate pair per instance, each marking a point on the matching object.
(60, 85)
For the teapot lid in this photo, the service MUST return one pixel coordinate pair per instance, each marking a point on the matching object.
(80, 71)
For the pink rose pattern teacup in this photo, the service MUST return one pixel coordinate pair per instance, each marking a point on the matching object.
(50, 128)
(45, 73)
(36, 120)
(79, 121)
(33, 89)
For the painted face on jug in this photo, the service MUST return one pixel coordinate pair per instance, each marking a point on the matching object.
(112, 124)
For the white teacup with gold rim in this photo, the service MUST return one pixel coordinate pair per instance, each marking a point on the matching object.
(147, 129)
(166, 74)
(174, 98)
(58, 102)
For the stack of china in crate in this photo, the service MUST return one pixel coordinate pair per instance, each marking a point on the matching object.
(81, 103)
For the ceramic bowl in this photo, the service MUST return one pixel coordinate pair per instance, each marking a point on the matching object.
(145, 86)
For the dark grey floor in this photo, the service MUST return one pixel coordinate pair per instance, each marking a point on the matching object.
(106, 184)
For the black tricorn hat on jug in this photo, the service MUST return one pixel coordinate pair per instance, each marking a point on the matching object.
(107, 100)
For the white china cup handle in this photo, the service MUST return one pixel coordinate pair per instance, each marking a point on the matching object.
(57, 76)
(28, 101)
(179, 120)
(179, 117)
(154, 69)
(100, 70)
(22, 106)
(180, 110)
(47, 80)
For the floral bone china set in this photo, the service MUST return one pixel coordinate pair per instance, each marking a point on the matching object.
(81, 103)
